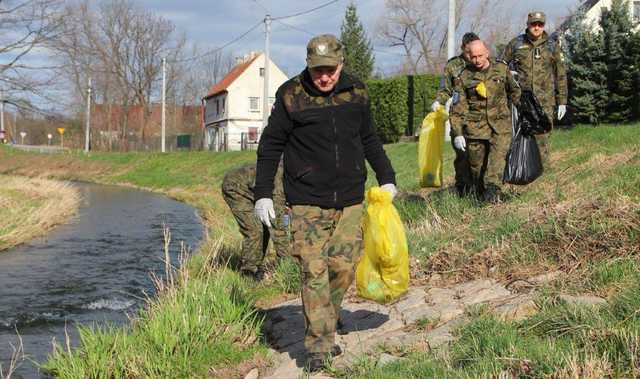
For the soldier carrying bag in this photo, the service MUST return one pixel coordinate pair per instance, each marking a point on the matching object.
(532, 119)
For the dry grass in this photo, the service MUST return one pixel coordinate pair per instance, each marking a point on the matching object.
(31, 207)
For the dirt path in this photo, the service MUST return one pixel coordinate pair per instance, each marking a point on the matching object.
(424, 318)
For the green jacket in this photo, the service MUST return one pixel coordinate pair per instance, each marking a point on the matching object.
(541, 69)
(452, 70)
(476, 117)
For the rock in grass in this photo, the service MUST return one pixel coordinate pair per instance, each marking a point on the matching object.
(386, 359)
(253, 374)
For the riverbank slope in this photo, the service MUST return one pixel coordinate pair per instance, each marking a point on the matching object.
(30, 207)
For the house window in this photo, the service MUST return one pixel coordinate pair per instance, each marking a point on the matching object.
(261, 71)
(636, 11)
(254, 104)
(217, 106)
(224, 101)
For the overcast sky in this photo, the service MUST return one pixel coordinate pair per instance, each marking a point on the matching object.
(212, 23)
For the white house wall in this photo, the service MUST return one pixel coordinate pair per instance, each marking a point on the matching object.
(251, 84)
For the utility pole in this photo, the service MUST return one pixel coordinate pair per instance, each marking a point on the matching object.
(265, 103)
(451, 33)
(87, 136)
(164, 102)
(451, 52)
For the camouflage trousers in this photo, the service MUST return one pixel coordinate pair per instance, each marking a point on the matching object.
(327, 245)
(544, 146)
(487, 159)
(255, 236)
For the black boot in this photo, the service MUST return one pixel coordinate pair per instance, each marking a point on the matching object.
(317, 362)
(340, 328)
(335, 351)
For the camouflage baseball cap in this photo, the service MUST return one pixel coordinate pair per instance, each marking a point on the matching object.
(536, 17)
(324, 50)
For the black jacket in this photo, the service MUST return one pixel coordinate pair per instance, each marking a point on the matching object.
(325, 139)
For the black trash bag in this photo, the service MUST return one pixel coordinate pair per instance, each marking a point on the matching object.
(524, 164)
(532, 119)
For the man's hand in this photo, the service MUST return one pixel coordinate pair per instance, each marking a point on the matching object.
(264, 211)
(391, 188)
(435, 106)
(562, 110)
(460, 143)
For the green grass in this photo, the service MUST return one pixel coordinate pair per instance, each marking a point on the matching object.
(582, 216)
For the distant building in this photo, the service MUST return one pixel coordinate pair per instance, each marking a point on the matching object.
(592, 10)
(233, 106)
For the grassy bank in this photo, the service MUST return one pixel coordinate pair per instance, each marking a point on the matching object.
(582, 218)
(31, 207)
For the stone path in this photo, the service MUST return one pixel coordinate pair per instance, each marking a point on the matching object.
(397, 326)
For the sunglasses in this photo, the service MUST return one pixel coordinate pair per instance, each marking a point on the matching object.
(537, 23)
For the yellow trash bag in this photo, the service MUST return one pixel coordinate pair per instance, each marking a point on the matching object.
(383, 271)
(430, 148)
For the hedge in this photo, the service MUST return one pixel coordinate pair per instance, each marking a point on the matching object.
(389, 103)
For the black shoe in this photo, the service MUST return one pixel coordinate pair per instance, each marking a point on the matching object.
(335, 351)
(340, 329)
(317, 361)
(258, 275)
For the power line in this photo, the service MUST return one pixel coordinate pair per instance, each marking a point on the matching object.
(294, 28)
(306, 12)
(262, 6)
(213, 51)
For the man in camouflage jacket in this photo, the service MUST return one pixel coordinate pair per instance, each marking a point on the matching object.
(540, 67)
(322, 122)
(452, 72)
(237, 191)
(481, 119)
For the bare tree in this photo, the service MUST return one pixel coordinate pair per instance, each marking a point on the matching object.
(25, 25)
(121, 47)
(420, 28)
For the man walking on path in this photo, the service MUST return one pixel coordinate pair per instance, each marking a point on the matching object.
(452, 72)
(538, 61)
(237, 191)
(481, 119)
(322, 122)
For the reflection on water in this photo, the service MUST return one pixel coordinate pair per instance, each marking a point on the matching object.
(94, 269)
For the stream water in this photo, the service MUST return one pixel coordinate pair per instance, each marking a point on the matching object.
(95, 269)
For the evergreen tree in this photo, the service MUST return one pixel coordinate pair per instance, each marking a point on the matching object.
(585, 54)
(358, 50)
(634, 54)
(616, 33)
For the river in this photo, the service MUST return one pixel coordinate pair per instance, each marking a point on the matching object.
(94, 269)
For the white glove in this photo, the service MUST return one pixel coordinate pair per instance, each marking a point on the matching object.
(562, 110)
(435, 106)
(264, 211)
(448, 104)
(391, 188)
(460, 143)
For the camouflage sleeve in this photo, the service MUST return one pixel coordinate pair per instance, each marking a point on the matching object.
(513, 89)
(507, 54)
(562, 91)
(458, 111)
(272, 143)
(446, 86)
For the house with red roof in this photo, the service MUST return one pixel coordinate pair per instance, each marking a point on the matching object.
(233, 106)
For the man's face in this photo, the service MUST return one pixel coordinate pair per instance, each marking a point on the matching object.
(536, 29)
(478, 55)
(325, 78)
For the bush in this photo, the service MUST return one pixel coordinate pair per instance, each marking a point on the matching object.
(389, 103)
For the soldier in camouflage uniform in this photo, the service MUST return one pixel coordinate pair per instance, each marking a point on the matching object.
(452, 71)
(322, 122)
(237, 191)
(481, 119)
(540, 67)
